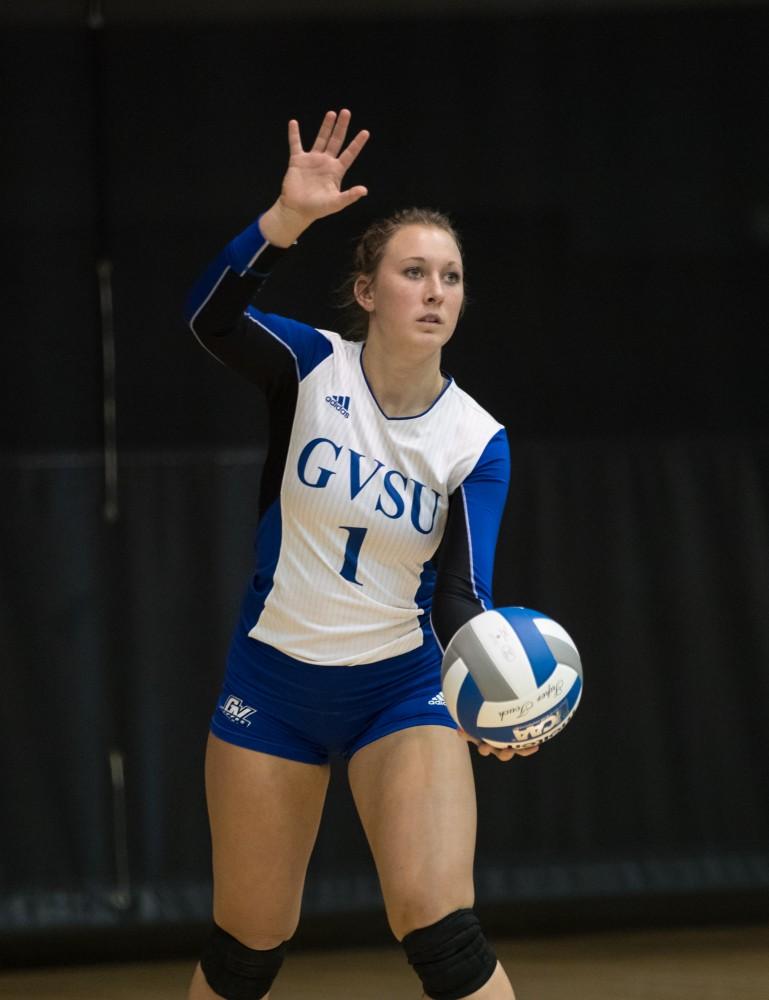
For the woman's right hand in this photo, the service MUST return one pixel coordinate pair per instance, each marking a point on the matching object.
(312, 186)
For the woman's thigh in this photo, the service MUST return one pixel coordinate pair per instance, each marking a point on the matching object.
(415, 794)
(264, 813)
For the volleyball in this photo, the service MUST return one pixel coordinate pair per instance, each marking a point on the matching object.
(512, 677)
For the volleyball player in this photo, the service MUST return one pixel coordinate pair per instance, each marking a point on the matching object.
(375, 458)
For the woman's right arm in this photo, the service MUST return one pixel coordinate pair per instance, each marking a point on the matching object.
(311, 190)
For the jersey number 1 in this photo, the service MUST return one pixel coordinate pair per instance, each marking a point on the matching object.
(351, 552)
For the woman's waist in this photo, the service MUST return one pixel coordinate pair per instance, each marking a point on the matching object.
(280, 677)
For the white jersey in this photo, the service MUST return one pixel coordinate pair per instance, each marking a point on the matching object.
(354, 503)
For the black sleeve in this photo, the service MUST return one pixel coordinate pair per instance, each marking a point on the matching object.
(216, 311)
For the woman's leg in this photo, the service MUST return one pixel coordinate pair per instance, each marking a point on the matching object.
(415, 794)
(264, 813)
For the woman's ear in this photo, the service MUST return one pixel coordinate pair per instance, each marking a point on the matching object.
(364, 292)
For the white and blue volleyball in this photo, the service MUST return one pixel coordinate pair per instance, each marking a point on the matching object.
(512, 677)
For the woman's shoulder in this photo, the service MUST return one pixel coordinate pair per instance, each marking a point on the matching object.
(340, 343)
(477, 437)
(310, 345)
(471, 411)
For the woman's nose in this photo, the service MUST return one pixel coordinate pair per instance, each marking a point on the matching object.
(433, 290)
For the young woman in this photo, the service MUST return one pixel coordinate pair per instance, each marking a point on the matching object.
(375, 458)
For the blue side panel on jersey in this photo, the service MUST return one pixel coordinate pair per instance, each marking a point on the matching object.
(424, 595)
(485, 492)
(267, 548)
(542, 661)
(469, 703)
(308, 346)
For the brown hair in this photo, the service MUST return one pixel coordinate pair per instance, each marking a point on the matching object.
(368, 254)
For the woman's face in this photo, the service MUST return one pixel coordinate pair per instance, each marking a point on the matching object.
(415, 297)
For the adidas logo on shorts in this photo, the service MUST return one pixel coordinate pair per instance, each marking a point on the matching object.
(437, 699)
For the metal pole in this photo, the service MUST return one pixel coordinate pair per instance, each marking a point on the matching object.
(94, 15)
(111, 506)
(95, 21)
(121, 895)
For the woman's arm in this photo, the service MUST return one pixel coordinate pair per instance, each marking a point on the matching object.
(311, 189)
(463, 585)
(466, 567)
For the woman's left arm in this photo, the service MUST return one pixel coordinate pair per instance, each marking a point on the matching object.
(466, 568)
(463, 584)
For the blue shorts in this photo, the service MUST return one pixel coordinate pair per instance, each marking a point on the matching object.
(281, 706)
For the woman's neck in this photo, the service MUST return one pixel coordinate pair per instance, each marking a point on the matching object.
(402, 387)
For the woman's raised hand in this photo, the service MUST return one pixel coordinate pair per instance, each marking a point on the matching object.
(312, 186)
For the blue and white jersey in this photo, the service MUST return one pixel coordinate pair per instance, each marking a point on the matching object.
(354, 504)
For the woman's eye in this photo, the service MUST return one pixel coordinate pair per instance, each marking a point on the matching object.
(413, 272)
(453, 277)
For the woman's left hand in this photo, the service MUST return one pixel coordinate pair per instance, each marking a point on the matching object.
(485, 750)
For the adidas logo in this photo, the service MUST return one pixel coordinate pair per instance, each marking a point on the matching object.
(340, 403)
(437, 699)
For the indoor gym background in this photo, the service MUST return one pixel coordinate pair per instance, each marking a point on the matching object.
(607, 165)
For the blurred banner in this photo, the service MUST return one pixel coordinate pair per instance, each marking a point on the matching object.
(654, 555)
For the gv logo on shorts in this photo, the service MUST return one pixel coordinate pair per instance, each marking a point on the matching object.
(234, 709)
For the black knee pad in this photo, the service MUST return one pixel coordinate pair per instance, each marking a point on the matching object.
(236, 972)
(451, 957)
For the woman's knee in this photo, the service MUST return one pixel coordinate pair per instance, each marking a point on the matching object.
(252, 930)
(411, 910)
(452, 957)
(234, 970)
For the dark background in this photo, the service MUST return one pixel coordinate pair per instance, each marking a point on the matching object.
(607, 166)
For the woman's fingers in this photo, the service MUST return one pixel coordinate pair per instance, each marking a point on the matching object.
(312, 184)
(324, 132)
(353, 194)
(485, 750)
(338, 133)
(294, 138)
(331, 137)
(347, 158)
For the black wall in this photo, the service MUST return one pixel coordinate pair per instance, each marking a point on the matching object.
(607, 172)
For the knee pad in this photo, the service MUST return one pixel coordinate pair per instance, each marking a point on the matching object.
(451, 957)
(236, 972)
